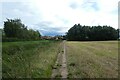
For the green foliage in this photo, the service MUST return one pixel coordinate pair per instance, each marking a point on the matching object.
(16, 29)
(12, 27)
(79, 32)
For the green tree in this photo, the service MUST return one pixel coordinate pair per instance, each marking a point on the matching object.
(16, 29)
(12, 27)
(79, 32)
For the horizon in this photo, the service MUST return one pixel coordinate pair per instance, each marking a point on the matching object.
(53, 17)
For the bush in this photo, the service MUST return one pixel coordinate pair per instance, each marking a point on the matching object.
(5, 39)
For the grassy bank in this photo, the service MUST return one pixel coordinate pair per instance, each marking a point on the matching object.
(29, 59)
(92, 59)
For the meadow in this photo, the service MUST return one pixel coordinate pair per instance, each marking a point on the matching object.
(41, 59)
(95, 59)
(29, 59)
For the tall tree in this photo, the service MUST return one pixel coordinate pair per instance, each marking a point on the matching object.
(16, 29)
(79, 32)
(12, 27)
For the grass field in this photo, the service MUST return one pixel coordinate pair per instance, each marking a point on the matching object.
(35, 59)
(92, 59)
(29, 59)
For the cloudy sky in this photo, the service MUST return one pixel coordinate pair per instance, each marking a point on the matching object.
(55, 17)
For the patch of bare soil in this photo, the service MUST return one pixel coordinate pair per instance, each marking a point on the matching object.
(64, 72)
(60, 67)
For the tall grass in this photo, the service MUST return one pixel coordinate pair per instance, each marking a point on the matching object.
(29, 59)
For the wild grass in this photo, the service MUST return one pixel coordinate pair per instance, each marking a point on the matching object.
(29, 59)
(92, 59)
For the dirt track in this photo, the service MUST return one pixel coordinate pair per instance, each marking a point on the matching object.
(60, 67)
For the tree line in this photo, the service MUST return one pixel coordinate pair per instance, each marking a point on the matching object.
(14, 28)
(92, 33)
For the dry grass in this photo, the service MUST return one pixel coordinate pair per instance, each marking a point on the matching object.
(92, 59)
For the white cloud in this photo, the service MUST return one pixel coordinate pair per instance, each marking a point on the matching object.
(63, 14)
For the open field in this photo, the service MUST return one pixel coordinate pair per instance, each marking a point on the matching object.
(29, 59)
(45, 59)
(92, 59)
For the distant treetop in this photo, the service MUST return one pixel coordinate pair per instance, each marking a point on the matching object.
(83, 33)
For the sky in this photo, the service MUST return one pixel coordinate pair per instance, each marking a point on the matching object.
(56, 17)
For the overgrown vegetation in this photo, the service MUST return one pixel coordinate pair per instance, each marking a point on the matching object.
(29, 59)
(92, 59)
(16, 30)
(82, 33)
